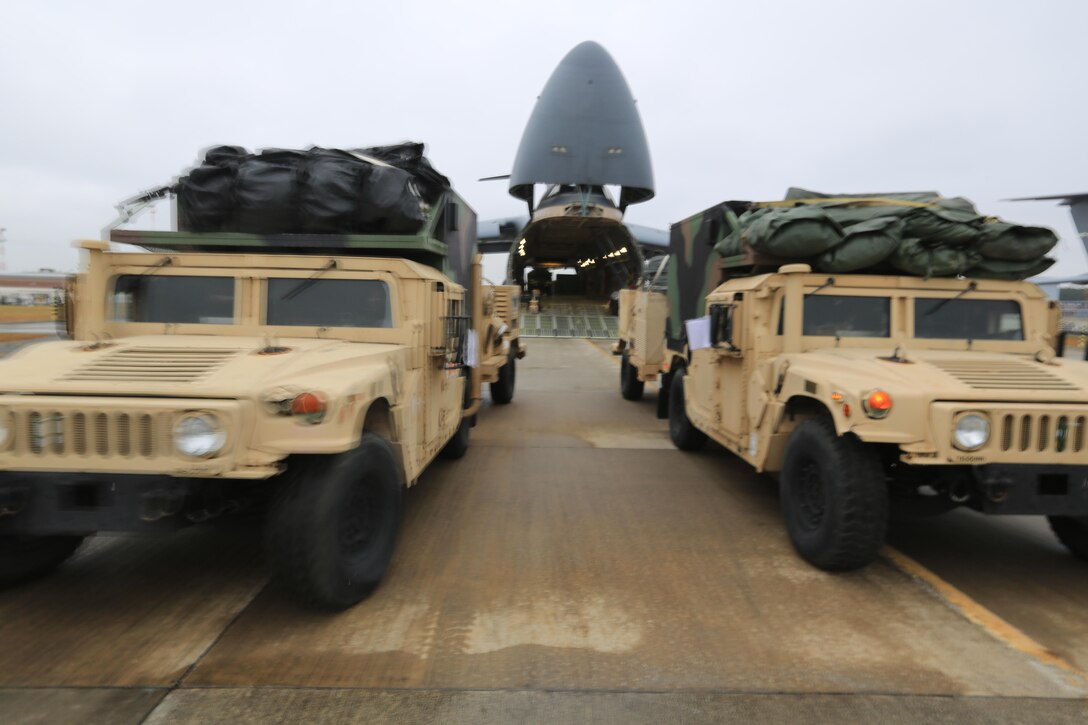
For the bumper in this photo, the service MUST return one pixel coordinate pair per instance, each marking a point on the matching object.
(1032, 489)
(84, 503)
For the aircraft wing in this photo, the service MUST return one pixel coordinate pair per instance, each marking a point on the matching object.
(496, 235)
(649, 237)
(1075, 279)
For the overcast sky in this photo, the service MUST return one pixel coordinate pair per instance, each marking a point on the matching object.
(739, 100)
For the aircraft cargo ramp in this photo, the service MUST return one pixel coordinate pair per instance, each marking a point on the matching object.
(570, 318)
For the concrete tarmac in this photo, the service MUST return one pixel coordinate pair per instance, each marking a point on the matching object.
(573, 567)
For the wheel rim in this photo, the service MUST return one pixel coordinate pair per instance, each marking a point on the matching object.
(359, 523)
(809, 495)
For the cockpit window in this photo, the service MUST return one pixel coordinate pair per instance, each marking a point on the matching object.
(944, 318)
(329, 303)
(173, 299)
(846, 316)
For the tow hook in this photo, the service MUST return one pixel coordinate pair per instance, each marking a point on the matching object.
(959, 491)
(994, 485)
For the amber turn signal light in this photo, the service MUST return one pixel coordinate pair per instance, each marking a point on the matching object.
(877, 404)
(309, 405)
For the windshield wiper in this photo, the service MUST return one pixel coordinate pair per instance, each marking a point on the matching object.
(306, 283)
(970, 288)
(830, 281)
(164, 262)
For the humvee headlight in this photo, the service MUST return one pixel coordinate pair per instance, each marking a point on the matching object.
(972, 431)
(199, 435)
(877, 404)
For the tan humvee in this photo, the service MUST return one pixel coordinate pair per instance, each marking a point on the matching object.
(500, 339)
(641, 340)
(858, 390)
(196, 382)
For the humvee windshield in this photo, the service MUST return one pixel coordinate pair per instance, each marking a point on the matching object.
(948, 319)
(329, 303)
(174, 299)
(846, 316)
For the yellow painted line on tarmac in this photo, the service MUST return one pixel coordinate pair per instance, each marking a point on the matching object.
(982, 617)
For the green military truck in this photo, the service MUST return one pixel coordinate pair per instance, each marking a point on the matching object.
(862, 391)
(207, 371)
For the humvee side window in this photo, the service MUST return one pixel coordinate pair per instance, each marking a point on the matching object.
(173, 299)
(846, 316)
(329, 303)
(942, 318)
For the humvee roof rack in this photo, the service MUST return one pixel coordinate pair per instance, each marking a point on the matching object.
(446, 241)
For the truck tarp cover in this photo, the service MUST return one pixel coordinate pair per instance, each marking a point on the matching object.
(378, 190)
(922, 234)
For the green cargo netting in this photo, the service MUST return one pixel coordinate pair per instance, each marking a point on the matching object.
(866, 244)
(919, 233)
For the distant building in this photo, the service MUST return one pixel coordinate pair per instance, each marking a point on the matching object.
(31, 288)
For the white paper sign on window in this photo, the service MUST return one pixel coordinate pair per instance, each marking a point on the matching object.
(698, 333)
(472, 354)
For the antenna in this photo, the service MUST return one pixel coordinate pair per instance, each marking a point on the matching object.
(3, 250)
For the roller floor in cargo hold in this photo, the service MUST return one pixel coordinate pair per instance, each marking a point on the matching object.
(571, 567)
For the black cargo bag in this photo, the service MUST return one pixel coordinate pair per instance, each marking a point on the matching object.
(266, 190)
(409, 156)
(331, 191)
(206, 199)
(390, 203)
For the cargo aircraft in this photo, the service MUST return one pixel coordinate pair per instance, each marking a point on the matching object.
(1078, 207)
(583, 137)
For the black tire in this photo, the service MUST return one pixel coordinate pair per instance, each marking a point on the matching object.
(663, 397)
(23, 558)
(1073, 532)
(834, 497)
(630, 386)
(457, 446)
(502, 390)
(684, 435)
(333, 524)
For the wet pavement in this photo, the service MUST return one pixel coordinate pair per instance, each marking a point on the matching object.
(573, 567)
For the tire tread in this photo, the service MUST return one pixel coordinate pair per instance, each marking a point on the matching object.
(860, 498)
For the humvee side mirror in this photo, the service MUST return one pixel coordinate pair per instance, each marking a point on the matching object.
(64, 306)
(453, 221)
(1060, 348)
(721, 326)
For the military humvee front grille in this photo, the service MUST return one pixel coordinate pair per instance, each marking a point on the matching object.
(52, 433)
(1002, 375)
(1033, 433)
(154, 365)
